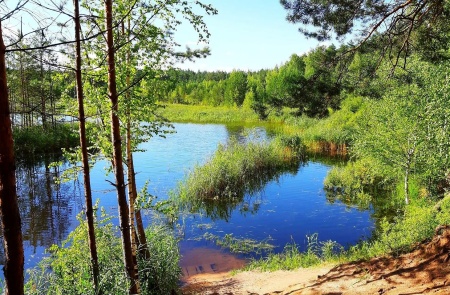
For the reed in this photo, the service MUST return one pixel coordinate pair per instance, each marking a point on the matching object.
(236, 169)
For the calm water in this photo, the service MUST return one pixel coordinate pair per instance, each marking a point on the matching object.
(287, 209)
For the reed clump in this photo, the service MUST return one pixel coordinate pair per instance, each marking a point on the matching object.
(239, 168)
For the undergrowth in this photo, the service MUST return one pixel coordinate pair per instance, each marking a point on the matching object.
(68, 270)
(37, 140)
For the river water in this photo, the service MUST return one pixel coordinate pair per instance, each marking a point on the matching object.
(288, 209)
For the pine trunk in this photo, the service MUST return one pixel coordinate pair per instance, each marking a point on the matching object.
(84, 153)
(117, 155)
(9, 209)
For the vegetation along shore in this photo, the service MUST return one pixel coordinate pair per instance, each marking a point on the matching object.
(100, 195)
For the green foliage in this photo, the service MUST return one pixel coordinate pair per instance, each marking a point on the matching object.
(160, 274)
(406, 130)
(293, 258)
(39, 140)
(358, 176)
(235, 88)
(68, 269)
(70, 264)
(417, 225)
(338, 128)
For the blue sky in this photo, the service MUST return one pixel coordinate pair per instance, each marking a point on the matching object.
(247, 35)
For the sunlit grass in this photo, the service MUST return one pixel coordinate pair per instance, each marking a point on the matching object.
(208, 114)
(236, 169)
(240, 167)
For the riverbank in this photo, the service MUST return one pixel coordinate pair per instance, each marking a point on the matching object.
(423, 270)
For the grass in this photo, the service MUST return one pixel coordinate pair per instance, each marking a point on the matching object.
(292, 258)
(224, 115)
(236, 169)
(240, 245)
(208, 114)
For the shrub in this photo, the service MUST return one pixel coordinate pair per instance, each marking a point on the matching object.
(358, 176)
(36, 140)
(68, 269)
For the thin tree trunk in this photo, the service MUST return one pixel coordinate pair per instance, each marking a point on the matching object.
(131, 194)
(84, 153)
(131, 179)
(9, 209)
(42, 92)
(117, 154)
(132, 191)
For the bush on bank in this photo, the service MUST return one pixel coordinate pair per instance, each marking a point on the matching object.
(68, 270)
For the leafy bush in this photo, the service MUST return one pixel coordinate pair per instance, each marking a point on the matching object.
(35, 140)
(160, 273)
(339, 127)
(358, 176)
(68, 269)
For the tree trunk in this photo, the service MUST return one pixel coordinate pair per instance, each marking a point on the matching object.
(131, 194)
(42, 91)
(117, 154)
(132, 191)
(84, 153)
(131, 178)
(9, 209)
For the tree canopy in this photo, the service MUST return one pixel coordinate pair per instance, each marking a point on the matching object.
(399, 25)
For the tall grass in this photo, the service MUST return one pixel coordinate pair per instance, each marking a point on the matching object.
(293, 258)
(236, 169)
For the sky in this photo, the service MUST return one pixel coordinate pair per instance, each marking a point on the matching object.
(247, 35)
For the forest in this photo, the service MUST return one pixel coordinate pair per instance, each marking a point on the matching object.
(93, 81)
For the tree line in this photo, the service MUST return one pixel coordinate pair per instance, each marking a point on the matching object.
(312, 84)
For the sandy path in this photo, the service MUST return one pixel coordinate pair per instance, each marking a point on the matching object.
(423, 271)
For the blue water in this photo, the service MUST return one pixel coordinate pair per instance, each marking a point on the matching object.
(288, 209)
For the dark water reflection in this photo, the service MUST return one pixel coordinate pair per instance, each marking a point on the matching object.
(47, 208)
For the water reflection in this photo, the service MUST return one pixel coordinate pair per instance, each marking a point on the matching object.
(246, 198)
(246, 133)
(47, 208)
(285, 205)
(375, 200)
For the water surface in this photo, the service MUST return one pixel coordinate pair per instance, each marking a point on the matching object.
(286, 210)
